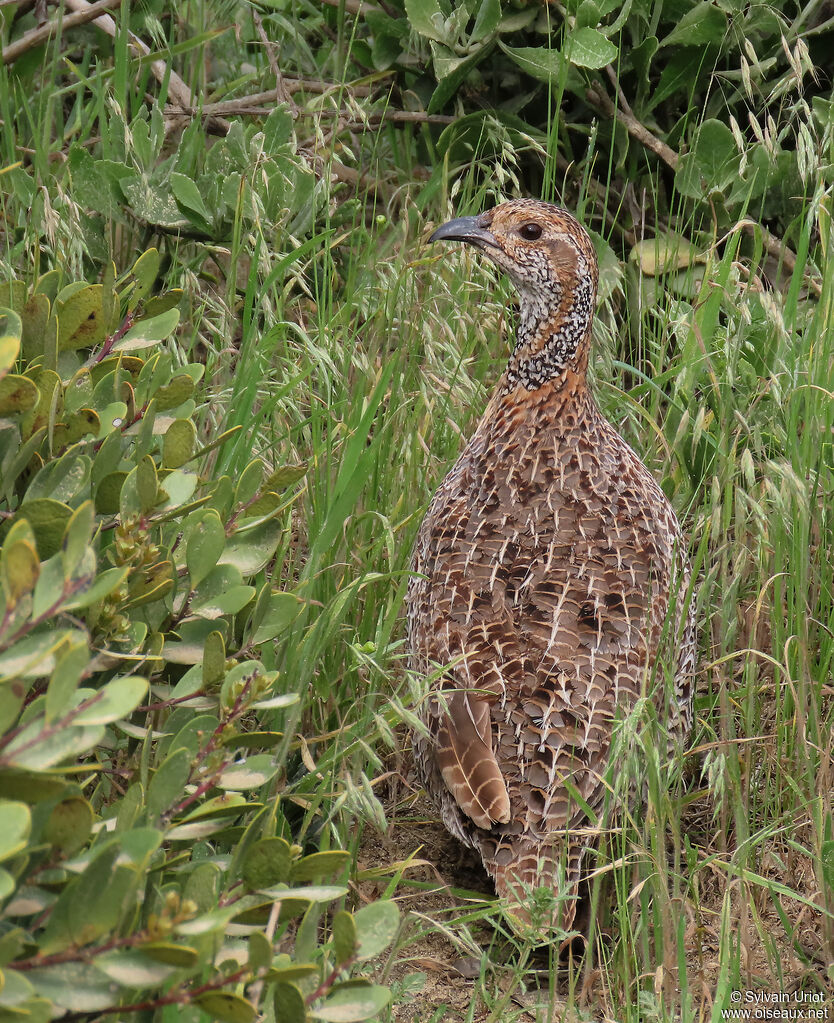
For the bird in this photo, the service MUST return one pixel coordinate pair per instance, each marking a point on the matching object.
(542, 578)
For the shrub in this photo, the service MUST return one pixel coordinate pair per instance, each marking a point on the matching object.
(146, 858)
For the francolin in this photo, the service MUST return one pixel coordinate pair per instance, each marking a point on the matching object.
(543, 577)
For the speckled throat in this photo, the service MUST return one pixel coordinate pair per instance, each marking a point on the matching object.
(553, 325)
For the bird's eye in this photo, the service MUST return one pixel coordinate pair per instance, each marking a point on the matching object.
(530, 232)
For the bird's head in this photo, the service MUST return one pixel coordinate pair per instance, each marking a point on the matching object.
(550, 258)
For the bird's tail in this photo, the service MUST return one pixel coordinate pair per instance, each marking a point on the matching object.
(539, 879)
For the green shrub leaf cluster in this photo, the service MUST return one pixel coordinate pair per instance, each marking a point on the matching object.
(145, 858)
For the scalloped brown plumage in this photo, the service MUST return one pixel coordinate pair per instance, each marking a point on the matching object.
(544, 572)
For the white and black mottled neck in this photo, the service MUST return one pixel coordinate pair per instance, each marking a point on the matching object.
(552, 328)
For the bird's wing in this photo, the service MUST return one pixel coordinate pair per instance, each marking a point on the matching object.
(456, 624)
(467, 763)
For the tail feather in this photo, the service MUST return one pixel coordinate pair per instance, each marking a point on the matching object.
(522, 865)
(467, 763)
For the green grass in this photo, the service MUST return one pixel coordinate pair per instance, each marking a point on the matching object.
(351, 346)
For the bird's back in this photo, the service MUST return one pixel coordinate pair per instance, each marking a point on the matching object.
(543, 574)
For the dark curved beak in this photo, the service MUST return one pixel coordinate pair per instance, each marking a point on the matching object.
(464, 229)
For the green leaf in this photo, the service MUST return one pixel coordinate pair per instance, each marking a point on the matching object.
(91, 903)
(587, 14)
(220, 806)
(77, 537)
(277, 129)
(75, 987)
(147, 485)
(11, 331)
(149, 331)
(640, 57)
(70, 664)
(282, 610)
(11, 703)
(7, 887)
(70, 825)
(250, 774)
(214, 661)
(162, 303)
(150, 201)
(63, 479)
(84, 423)
(31, 786)
(307, 894)
(284, 476)
(203, 886)
(251, 549)
(40, 331)
(34, 655)
(427, 19)
(144, 272)
(50, 589)
(253, 740)
(20, 566)
(48, 520)
(451, 71)
(267, 863)
(80, 319)
(179, 486)
(111, 418)
(286, 969)
(664, 254)
(15, 826)
(49, 283)
(17, 394)
(345, 940)
(703, 25)
(538, 61)
(288, 1003)
(250, 481)
(206, 541)
(712, 165)
(377, 926)
(108, 582)
(220, 593)
(189, 199)
(37, 748)
(174, 394)
(181, 956)
(178, 446)
(115, 700)
(587, 47)
(487, 19)
(193, 633)
(17, 992)
(195, 731)
(320, 865)
(260, 952)
(207, 923)
(133, 968)
(276, 702)
(169, 781)
(349, 1003)
(227, 1007)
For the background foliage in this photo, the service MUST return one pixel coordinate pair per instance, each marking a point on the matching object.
(230, 378)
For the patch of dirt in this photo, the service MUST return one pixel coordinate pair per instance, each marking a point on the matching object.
(443, 864)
